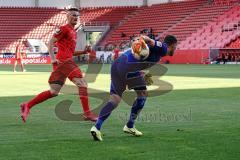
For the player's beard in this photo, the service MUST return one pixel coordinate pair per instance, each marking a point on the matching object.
(170, 53)
(74, 22)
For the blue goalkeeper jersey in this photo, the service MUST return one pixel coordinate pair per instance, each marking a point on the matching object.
(132, 66)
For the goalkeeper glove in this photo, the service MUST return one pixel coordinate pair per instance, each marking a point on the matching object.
(148, 79)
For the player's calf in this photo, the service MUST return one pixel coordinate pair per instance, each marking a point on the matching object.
(136, 109)
(26, 106)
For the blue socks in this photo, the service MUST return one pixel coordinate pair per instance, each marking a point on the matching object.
(104, 114)
(110, 106)
(136, 108)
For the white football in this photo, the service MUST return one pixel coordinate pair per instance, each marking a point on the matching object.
(143, 54)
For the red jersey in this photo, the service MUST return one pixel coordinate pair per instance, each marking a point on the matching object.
(92, 56)
(67, 39)
(18, 52)
(116, 53)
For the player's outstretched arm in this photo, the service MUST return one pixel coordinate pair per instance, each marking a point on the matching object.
(148, 40)
(78, 53)
(50, 49)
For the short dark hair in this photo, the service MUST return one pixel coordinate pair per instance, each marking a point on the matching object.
(170, 39)
(73, 9)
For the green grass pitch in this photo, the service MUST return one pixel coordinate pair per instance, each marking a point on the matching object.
(198, 120)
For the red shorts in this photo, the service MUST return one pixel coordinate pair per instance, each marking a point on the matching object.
(67, 69)
(18, 60)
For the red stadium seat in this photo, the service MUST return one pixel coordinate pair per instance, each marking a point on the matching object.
(212, 33)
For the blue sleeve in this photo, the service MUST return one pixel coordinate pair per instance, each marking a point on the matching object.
(157, 51)
(159, 48)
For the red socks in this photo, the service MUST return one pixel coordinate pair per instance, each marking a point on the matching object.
(40, 98)
(83, 94)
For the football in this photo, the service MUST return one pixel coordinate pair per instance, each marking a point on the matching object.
(140, 49)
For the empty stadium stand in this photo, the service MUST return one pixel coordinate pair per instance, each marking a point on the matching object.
(27, 23)
(217, 33)
(159, 17)
(111, 15)
(224, 2)
(196, 20)
(40, 23)
(234, 44)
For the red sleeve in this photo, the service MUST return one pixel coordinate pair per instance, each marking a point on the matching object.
(93, 53)
(60, 33)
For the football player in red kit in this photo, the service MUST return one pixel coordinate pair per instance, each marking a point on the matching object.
(18, 58)
(63, 67)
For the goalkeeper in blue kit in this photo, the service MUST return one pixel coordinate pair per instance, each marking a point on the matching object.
(126, 72)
